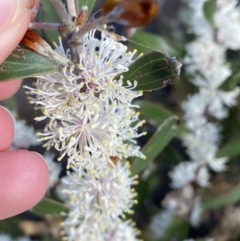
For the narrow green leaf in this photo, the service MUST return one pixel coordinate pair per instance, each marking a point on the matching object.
(153, 71)
(209, 9)
(23, 63)
(231, 149)
(156, 144)
(49, 206)
(230, 198)
(154, 113)
(140, 41)
(89, 3)
(47, 13)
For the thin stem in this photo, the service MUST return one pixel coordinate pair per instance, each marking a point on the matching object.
(47, 26)
(62, 12)
(72, 8)
(87, 28)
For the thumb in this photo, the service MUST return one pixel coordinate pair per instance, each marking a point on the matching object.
(15, 16)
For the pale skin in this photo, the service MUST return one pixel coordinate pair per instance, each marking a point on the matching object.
(23, 174)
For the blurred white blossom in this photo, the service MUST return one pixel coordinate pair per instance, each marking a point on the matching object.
(53, 168)
(187, 172)
(205, 62)
(6, 237)
(227, 21)
(195, 217)
(24, 135)
(160, 222)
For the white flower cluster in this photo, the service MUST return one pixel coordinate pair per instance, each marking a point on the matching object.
(98, 200)
(91, 117)
(93, 122)
(206, 63)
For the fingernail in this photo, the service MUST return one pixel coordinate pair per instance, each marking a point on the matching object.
(6, 12)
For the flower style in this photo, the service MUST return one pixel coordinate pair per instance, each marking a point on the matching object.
(90, 112)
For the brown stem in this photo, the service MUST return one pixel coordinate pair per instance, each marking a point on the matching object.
(46, 26)
(76, 38)
(72, 8)
(62, 12)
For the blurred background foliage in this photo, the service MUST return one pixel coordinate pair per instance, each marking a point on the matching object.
(162, 146)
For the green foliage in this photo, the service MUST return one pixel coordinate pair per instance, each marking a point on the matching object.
(89, 3)
(231, 149)
(209, 9)
(154, 113)
(49, 206)
(23, 63)
(153, 71)
(229, 198)
(145, 42)
(156, 144)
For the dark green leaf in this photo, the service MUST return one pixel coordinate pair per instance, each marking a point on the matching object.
(89, 3)
(230, 198)
(153, 71)
(49, 206)
(23, 63)
(209, 9)
(231, 149)
(141, 40)
(155, 145)
(152, 112)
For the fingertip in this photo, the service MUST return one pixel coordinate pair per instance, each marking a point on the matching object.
(16, 22)
(9, 88)
(24, 181)
(7, 128)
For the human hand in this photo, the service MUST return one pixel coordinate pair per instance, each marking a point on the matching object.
(23, 174)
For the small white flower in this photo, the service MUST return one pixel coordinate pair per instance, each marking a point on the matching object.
(24, 135)
(227, 21)
(205, 60)
(199, 25)
(160, 222)
(195, 216)
(188, 172)
(204, 152)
